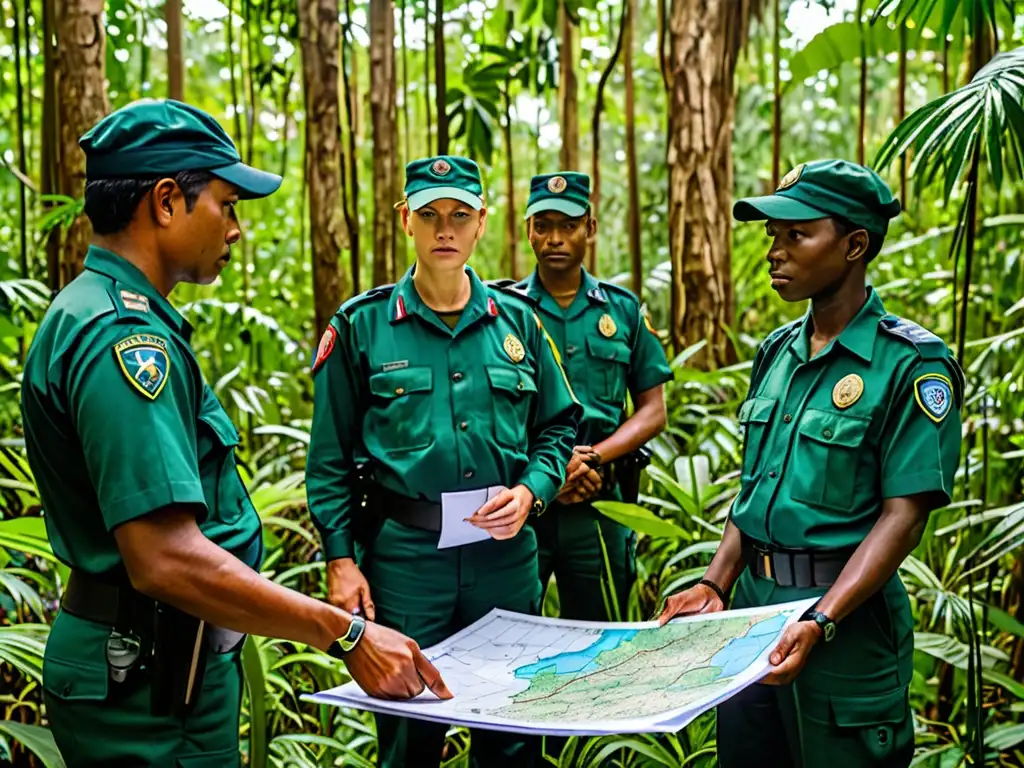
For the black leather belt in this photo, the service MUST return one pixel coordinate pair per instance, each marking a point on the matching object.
(105, 602)
(802, 568)
(415, 513)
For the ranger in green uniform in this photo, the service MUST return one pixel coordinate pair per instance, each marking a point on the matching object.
(134, 460)
(608, 347)
(852, 439)
(436, 385)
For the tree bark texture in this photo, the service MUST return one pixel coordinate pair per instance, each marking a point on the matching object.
(319, 36)
(568, 98)
(350, 180)
(50, 141)
(706, 38)
(441, 79)
(384, 116)
(81, 103)
(635, 255)
(175, 59)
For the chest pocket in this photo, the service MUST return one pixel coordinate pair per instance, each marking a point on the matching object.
(610, 361)
(226, 497)
(755, 417)
(826, 458)
(399, 417)
(512, 393)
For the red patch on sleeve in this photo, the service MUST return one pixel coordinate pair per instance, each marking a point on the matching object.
(325, 348)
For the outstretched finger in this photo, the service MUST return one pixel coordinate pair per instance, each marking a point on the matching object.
(431, 677)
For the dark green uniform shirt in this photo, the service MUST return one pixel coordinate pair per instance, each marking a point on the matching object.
(119, 422)
(607, 347)
(874, 415)
(435, 409)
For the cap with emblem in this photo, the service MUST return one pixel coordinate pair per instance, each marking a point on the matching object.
(443, 177)
(826, 188)
(153, 137)
(567, 192)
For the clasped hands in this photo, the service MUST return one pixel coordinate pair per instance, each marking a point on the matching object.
(582, 480)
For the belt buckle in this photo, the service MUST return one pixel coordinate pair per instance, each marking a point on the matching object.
(766, 560)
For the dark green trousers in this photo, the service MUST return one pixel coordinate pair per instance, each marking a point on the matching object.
(568, 546)
(429, 594)
(99, 724)
(848, 708)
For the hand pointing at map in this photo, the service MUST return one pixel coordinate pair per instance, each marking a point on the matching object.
(697, 599)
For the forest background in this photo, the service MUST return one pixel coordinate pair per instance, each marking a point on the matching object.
(675, 107)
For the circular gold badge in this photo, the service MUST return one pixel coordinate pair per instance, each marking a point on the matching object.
(847, 391)
(440, 168)
(557, 184)
(607, 326)
(514, 348)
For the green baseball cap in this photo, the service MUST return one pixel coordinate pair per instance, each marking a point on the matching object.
(445, 177)
(826, 188)
(151, 137)
(567, 192)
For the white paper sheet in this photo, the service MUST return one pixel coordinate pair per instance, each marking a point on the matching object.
(455, 508)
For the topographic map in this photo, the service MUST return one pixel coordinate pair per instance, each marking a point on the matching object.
(531, 674)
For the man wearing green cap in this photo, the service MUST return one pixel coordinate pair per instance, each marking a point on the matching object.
(435, 396)
(852, 438)
(608, 347)
(134, 459)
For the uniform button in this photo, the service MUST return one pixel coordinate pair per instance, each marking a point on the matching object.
(519, 386)
(787, 418)
(883, 736)
(773, 474)
(468, 473)
(399, 390)
(67, 689)
(826, 433)
(456, 376)
(464, 425)
(570, 349)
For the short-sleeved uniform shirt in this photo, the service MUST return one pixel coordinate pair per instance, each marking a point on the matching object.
(874, 415)
(435, 409)
(608, 347)
(119, 421)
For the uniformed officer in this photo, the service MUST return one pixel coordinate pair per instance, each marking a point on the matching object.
(608, 347)
(134, 460)
(852, 438)
(437, 384)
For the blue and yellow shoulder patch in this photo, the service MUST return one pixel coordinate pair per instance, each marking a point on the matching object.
(934, 393)
(145, 363)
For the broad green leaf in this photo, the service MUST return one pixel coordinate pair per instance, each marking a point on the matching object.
(639, 519)
(37, 740)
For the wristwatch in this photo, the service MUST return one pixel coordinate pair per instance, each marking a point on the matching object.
(828, 627)
(348, 641)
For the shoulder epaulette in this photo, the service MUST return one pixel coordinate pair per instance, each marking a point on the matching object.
(509, 287)
(620, 290)
(928, 345)
(381, 291)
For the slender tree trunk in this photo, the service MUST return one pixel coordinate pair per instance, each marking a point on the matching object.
(707, 36)
(20, 140)
(50, 143)
(945, 65)
(319, 34)
(29, 100)
(350, 191)
(635, 255)
(383, 115)
(777, 96)
(901, 108)
(236, 108)
(663, 43)
(82, 100)
(862, 109)
(568, 98)
(250, 81)
(511, 220)
(175, 60)
(440, 77)
(405, 89)
(427, 64)
(286, 96)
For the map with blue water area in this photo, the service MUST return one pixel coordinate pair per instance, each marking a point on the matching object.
(532, 674)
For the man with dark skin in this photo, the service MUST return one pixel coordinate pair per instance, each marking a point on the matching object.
(134, 459)
(608, 347)
(852, 438)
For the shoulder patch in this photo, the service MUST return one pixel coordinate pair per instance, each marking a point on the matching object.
(379, 292)
(934, 393)
(145, 363)
(324, 349)
(928, 345)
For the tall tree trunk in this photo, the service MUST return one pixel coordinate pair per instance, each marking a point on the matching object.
(319, 34)
(405, 88)
(706, 39)
(236, 107)
(82, 102)
(426, 74)
(350, 186)
(50, 141)
(250, 81)
(440, 78)
(635, 255)
(777, 96)
(901, 108)
(383, 114)
(175, 60)
(862, 108)
(20, 141)
(568, 98)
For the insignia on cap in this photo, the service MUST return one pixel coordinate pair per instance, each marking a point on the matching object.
(792, 177)
(514, 348)
(934, 393)
(557, 184)
(847, 391)
(440, 168)
(325, 347)
(607, 326)
(144, 362)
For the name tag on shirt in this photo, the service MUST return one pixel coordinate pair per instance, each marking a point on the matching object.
(455, 508)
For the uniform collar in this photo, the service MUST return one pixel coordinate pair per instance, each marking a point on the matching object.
(120, 270)
(858, 337)
(590, 293)
(406, 301)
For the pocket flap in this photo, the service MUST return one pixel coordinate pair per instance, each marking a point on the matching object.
(603, 349)
(511, 380)
(403, 382)
(866, 711)
(757, 410)
(75, 660)
(217, 419)
(833, 428)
